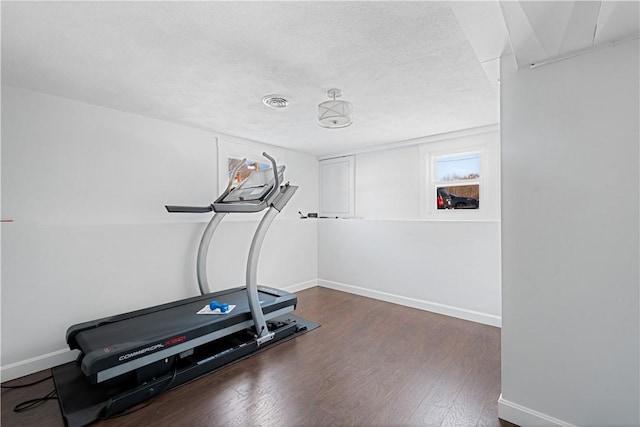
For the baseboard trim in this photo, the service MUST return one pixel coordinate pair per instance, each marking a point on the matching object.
(299, 286)
(36, 364)
(523, 416)
(47, 361)
(434, 307)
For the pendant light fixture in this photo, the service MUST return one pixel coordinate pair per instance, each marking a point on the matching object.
(335, 113)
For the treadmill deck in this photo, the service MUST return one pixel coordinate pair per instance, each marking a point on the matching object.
(119, 344)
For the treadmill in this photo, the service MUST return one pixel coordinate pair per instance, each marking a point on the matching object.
(129, 358)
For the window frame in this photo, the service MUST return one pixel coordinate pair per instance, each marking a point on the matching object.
(487, 146)
(435, 183)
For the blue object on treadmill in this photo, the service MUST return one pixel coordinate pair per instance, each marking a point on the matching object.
(223, 307)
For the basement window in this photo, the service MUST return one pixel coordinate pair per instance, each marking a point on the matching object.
(461, 178)
(457, 181)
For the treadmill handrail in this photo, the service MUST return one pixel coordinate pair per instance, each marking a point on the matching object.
(276, 178)
(276, 198)
(262, 331)
(203, 250)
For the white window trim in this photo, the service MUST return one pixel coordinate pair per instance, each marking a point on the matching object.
(489, 180)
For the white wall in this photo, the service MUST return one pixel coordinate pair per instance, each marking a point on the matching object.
(86, 188)
(570, 240)
(446, 267)
(388, 184)
(449, 267)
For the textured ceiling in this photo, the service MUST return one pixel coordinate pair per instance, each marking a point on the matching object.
(407, 67)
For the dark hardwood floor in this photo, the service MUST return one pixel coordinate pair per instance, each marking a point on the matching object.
(370, 363)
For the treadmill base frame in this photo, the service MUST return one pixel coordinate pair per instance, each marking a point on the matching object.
(82, 403)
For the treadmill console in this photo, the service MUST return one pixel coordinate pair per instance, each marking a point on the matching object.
(254, 188)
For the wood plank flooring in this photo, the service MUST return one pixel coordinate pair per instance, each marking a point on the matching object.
(370, 363)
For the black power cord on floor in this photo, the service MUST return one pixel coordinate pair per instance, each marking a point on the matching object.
(27, 384)
(32, 403)
(52, 395)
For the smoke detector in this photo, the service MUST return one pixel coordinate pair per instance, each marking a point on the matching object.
(275, 101)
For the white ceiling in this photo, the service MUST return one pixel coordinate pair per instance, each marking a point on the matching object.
(410, 69)
(407, 67)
